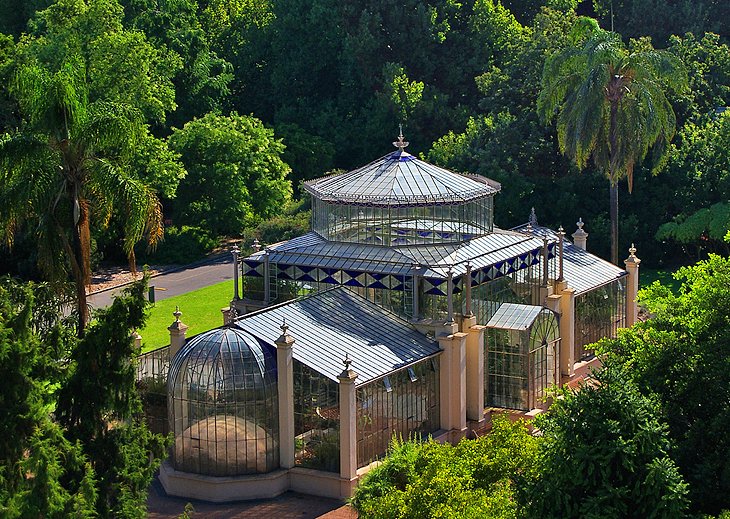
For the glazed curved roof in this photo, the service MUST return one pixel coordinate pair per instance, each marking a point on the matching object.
(401, 179)
(224, 358)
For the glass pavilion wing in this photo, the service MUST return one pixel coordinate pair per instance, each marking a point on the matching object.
(328, 325)
(583, 270)
(312, 259)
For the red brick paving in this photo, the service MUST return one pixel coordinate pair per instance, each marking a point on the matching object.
(288, 505)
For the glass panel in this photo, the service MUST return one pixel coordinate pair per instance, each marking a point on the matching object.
(316, 420)
(598, 314)
(407, 406)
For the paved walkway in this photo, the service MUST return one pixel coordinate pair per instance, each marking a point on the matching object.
(288, 505)
(178, 281)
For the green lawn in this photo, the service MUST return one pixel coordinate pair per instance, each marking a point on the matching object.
(201, 311)
(647, 276)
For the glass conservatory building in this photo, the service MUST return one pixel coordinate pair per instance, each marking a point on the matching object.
(438, 317)
(415, 239)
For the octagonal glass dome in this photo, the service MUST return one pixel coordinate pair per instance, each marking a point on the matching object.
(401, 200)
(223, 405)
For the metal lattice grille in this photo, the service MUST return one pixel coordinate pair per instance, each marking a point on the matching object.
(223, 405)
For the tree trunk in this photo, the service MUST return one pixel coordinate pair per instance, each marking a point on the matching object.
(614, 222)
(80, 267)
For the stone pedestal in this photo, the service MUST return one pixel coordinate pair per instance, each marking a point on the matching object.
(567, 332)
(348, 427)
(285, 381)
(452, 379)
(177, 333)
(632, 287)
(474, 368)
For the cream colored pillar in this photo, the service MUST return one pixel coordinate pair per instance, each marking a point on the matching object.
(452, 378)
(177, 333)
(567, 331)
(285, 381)
(348, 429)
(580, 236)
(137, 339)
(229, 313)
(632, 287)
(474, 368)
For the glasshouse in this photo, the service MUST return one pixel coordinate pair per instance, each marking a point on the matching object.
(404, 312)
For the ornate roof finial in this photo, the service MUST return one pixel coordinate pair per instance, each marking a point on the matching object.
(561, 231)
(580, 224)
(400, 143)
(177, 313)
(347, 361)
(284, 327)
(632, 250)
(532, 220)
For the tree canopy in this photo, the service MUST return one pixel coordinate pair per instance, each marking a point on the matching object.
(235, 173)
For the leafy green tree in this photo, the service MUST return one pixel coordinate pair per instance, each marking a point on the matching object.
(707, 60)
(660, 19)
(235, 173)
(120, 65)
(67, 164)
(100, 408)
(611, 105)
(605, 454)
(83, 86)
(477, 478)
(202, 83)
(43, 474)
(681, 359)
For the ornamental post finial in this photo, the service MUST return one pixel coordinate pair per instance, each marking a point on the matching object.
(284, 327)
(400, 143)
(347, 361)
(177, 313)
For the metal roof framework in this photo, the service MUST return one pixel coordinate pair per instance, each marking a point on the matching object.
(312, 258)
(512, 316)
(582, 270)
(400, 179)
(328, 325)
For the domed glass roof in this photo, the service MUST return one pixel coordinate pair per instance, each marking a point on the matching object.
(223, 405)
(400, 179)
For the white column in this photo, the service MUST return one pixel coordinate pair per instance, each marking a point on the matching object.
(452, 378)
(177, 333)
(348, 429)
(632, 287)
(285, 381)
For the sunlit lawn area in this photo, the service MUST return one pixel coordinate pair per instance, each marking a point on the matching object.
(201, 311)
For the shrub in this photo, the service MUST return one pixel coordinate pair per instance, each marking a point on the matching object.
(181, 245)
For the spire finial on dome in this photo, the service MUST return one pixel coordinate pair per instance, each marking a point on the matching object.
(400, 143)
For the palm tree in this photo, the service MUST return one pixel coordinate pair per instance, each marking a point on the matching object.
(67, 164)
(611, 105)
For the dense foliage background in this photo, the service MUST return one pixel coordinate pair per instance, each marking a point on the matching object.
(326, 83)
